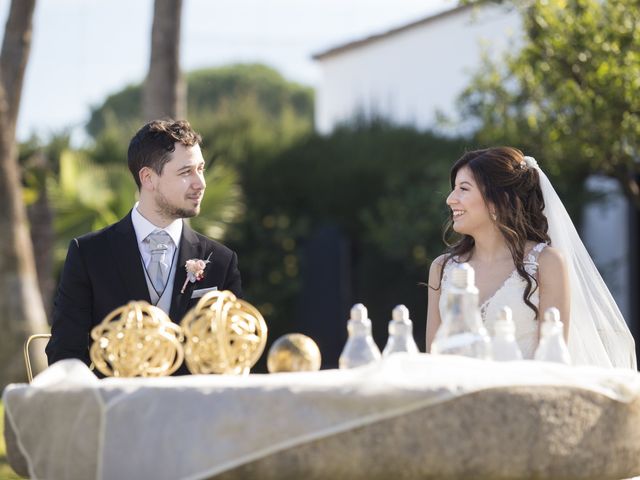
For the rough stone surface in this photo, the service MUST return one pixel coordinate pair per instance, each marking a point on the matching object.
(502, 433)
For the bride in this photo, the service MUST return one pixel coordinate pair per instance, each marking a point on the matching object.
(516, 234)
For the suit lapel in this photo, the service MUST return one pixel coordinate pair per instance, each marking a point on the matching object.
(127, 259)
(189, 248)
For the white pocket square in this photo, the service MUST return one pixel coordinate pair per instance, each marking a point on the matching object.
(202, 291)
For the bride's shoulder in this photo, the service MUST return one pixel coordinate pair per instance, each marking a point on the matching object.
(553, 275)
(437, 265)
(551, 261)
(444, 260)
(439, 260)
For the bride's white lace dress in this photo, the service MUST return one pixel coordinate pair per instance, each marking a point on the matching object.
(508, 294)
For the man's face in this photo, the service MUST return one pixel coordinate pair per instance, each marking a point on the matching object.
(179, 190)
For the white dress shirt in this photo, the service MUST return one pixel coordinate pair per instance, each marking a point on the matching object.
(144, 227)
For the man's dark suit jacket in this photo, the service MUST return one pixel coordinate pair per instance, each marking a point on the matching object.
(103, 271)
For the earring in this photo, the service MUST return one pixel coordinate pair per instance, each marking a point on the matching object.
(494, 217)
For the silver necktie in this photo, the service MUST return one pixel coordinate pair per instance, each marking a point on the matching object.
(158, 268)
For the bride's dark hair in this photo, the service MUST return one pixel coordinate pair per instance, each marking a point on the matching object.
(513, 187)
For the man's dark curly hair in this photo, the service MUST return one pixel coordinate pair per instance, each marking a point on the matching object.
(153, 144)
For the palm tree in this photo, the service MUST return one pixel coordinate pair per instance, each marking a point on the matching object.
(21, 310)
(164, 89)
(87, 196)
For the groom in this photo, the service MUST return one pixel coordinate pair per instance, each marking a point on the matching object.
(143, 256)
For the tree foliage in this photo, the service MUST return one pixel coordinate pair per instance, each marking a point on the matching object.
(569, 95)
(213, 91)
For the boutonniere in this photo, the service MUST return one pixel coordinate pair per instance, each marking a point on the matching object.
(195, 270)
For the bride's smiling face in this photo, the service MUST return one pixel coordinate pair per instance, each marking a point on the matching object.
(469, 210)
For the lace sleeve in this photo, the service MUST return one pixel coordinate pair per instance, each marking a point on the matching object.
(531, 260)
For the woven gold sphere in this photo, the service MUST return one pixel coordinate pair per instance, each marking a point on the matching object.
(294, 352)
(136, 340)
(223, 334)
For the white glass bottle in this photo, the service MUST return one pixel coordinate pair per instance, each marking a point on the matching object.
(552, 347)
(503, 344)
(360, 348)
(400, 333)
(461, 331)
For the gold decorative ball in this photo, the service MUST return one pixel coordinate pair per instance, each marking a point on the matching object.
(294, 352)
(223, 334)
(136, 340)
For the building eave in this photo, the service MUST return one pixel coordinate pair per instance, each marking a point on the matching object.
(384, 35)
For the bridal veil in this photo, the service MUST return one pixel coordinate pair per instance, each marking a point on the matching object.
(598, 334)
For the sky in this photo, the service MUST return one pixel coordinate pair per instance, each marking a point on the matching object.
(84, 50)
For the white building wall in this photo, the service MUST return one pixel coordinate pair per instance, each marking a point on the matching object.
(408, 76)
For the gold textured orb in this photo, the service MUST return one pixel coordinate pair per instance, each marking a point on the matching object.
(136, 340)
(294, 352)
(223, 334)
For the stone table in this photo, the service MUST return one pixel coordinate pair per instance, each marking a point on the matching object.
(408, 417)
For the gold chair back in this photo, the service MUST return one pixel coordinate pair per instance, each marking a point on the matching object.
(27, 354)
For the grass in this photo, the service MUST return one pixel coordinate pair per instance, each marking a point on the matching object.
(6, 472)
